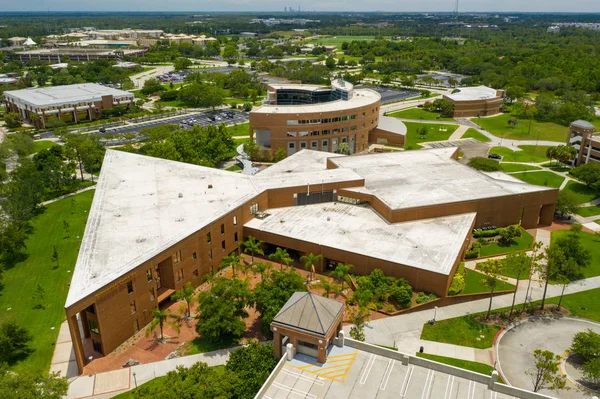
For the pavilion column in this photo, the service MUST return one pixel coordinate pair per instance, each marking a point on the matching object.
(277, 344)
(77, 344)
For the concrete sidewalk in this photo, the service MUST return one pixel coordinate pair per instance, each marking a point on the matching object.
(111, 383)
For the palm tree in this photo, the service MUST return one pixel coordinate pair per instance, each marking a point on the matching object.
(160, 318)
(281, 256)
(253, 246)
(309, 263)
(341, 272)
(232, 260)
(261, 268)
(327, 287)
(185, 294)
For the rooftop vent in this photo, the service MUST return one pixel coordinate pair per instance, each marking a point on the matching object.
(210, 186)
(140, 240)
(179, 220)
(180, 195)
(262, 215)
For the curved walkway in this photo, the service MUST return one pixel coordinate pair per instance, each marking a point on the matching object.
(244, 159)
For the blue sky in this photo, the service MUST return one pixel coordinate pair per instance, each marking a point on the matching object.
(278, 5)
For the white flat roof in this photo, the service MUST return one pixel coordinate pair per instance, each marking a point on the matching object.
(431, 244)
(49, 96)
(360, 98)
(411, 179)
(473, 93)
(392, 125)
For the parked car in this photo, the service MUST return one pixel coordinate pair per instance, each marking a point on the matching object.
(494, 156)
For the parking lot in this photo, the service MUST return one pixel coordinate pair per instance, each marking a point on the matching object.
(354, 374)
(391, 95)
(179, 76)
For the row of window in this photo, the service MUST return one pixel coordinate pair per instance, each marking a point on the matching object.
(324, 132)
(322, 120)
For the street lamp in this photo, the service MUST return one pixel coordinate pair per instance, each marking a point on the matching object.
(435, 308)
(90, 359)
(135, 380)
(54, 332)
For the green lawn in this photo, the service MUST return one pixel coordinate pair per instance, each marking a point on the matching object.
(588, 211)
(37, 267)
(592, 243)
(474, 134)
(523, 242)
(419, 113)
(516, 167)
(583, 194)
(239, 130)
(234, 168)
(463, 331)
(433, 133)
(201, 345)
(473, 284)
(529, 153)
(156, 382)
(480, 368)
(546, 179)
(498, 126)
(40, 145)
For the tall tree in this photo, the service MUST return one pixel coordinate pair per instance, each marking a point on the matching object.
(160, 317)
(546, 374)
(253, 247)
(341, 272)
(281, 255)
(28, 385)
(234, 260)
(14, 341)
(310, 261)
(261, 268)
(519, 263)
(537, 255)
(492, 270)
(185, 294)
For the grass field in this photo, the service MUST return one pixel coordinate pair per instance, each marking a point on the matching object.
(498, 126)
(463, 331)
(338, 40)
(588, 211)
(419, 113)
(156, 382)
(201, 345)
(480, 368)
(516, 167)
(583, 194)
(239, 130)
(528, 153)
(37, 267)
(40, 145)
(523, 242)
(474, 134)
(544, 178)
(433, 133)
(473, 284)
(592, 243)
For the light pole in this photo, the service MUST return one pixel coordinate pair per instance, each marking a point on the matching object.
(435, 308)
(90, 359)
(135, 380)
(54, 332)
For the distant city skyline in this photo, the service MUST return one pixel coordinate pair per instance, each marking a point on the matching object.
(305, 5)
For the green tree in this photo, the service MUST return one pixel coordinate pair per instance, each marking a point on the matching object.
(546, 374)
(159, 318)
(14, 342)
(273, 292)
(343, 148)
(182, 63)
(587, 344)
(330, 63)
(591, 370)
(222, 310)
(39, 295)
(86, 150)
(253, 247)
(519, 263)
(234, 260)
(261, 268)
(492, 270)
(341, 273)
(567, 202)
(252, 364)
(281, 255)
(310, 260)
(358, 318)
(422, 132)
(12, 240)
(55, 256)
(185, 294)
(230, 53)
(12, 120)
(588, 173)
(280, 154)
(27, 385)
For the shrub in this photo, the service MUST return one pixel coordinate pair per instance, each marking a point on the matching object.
(169, 95)
(484, 164)
(508, 235)
(402, 294)
(488, 233)
(458, 281)
(424, 297)
(472, 254)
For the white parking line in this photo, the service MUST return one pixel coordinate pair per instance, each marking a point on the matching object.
(406, 381)
(428, 384)
(386, 375)
(317, 381)
(449, 384)
(368, 367)
(493, 395)
(294, 391)
(472, 385)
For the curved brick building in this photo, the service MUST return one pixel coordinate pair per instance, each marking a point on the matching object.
(297, 117)
(476, 101)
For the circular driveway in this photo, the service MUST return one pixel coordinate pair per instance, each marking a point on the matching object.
(516, 345)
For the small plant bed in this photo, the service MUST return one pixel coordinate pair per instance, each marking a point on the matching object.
(202, 345)
(591, 242)
(458, 281)
(480, 368)
(473, 284)
(425, 132)
(556, 167)
(499, 241)
(234, 168)
(40, 145)
(582, 193)
(588, 211)
(419, 113)
(528, 153)
(475, 134)
(378, 292)
(517, 167)
(546, 179)
(463, 331)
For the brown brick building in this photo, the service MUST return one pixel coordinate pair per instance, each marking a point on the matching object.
(155, 225)
(476, 101)
(583, 137)
(297, 117)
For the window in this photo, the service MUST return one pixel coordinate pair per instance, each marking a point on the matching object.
(132, 307)
(223, 245)
(303, 144)
(222, 229)
(235, 220)
(91, 309)
(152, 295)
(149, 275)
(314, 133)
(179, 275)
(325, 145)
(253, 209)
(208, 239)
(177, 257)
(93, 326)
(235, 236)
(303, 134)
(130, 287)
(195, 273)
(325, 132)
(291, 145)
(194, 256)
(136, 326)
(291, 122)
(291, 134)
(314, 145)
(364, 114)
(210, 254)
(345, 129)
(353, 127)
